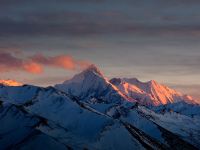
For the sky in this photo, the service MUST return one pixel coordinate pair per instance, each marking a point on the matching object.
(46, 42)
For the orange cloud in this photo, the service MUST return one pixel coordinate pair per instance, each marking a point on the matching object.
(33, 67)
(66, 62)
(61, 61)
(35, 64)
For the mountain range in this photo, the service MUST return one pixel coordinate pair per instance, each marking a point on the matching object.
(90, 111)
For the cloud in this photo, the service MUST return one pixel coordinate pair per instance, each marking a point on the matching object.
(9, 62)
(37, 21)
(36, 64)
(20, 2)
(33, 67)
(61, 61)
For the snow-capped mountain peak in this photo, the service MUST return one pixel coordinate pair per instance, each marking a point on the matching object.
(132, 80)
(45, 118)
(90, 112)
(149, 93)
(91, 84)
(93, 68)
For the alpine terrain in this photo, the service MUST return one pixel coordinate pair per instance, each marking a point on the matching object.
(92, 112)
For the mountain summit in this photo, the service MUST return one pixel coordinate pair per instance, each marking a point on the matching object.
(90, 112)
(149, 93)
(93, 68)
(91, 84)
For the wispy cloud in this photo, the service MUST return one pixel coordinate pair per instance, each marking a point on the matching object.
(61, 61)
(9, 62)
(32, 67)
(36, 64)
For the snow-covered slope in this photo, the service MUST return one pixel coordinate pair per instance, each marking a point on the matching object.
(149, 93)
(183, 108)
(18, 94)
(184, 126)
(47, 115)
(91, 85)
(57, 119)
(89, 112)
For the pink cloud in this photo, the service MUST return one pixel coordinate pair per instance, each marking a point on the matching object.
(36, 64)
(9, 62)
(33, 67)
(61, 61)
